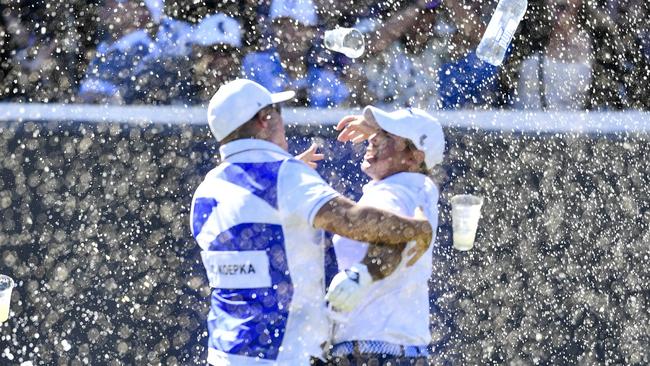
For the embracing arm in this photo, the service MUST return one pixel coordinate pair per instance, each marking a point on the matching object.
(349, 286)
(367, 224)
(381, 261)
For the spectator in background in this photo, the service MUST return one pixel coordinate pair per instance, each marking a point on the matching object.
(580, 64)
(560, 76)
(5, 59)
(165, 74)
(42, 47)
(420, 57)
(402, 58)
(109, 75)
(147, 60)
(25, 58)
(156, 10)
(288, 64)
(216, 54)
(465, 80)
(633, 23)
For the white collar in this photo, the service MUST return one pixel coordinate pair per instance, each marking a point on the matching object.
(401, 178)
(242, 145)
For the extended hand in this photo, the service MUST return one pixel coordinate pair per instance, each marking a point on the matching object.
(348, 288)
(311, 156)
(356, 128)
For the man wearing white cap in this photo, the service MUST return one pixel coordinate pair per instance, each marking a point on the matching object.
(255, 218)
(383, 305)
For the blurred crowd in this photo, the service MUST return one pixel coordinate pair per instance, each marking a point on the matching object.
(94, 228)
(566, 55)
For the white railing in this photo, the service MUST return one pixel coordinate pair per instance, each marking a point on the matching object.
(497, 120)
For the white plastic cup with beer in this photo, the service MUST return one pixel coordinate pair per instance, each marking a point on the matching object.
(465, 213)
(347, 41)
(6, 285)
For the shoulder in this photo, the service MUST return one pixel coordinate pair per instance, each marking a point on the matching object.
(214, 174)
(297, 178)
(294, 167)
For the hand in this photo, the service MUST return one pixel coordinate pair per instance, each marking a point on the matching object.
(310, 156)
(356, 128)
(421, 244)
(348, 288)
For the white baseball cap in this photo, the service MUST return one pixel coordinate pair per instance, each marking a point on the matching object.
(302, 11)
(416, 125)
(218, 29)
(236, 102)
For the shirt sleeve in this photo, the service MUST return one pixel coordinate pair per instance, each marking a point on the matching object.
(301, 191)
(348, 251)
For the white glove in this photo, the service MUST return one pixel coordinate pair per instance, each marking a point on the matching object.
(348, 287)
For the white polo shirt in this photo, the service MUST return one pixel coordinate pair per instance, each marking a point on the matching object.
(396, 308)
(252, 217)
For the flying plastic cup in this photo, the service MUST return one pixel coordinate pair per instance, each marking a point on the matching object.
(6, 285)
(347, 41)
(465, 212)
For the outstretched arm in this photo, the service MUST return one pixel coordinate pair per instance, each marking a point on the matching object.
(398, 24)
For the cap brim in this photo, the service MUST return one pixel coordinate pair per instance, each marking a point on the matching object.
(282, 96)
(385, 120)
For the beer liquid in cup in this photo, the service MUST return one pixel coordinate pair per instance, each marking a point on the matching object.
(4, 308)
(500, 30)
(6, 285)
(347, 41)
(464, 240)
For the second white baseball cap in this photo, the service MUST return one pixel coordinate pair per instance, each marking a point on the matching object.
(236, 102)
(218, 29)
(416, 125)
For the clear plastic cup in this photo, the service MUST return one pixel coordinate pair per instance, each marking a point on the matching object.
(347, 41)
(6, 285)
(465, 213)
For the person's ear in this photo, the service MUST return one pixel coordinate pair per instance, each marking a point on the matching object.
(262, 119)
(418, 157)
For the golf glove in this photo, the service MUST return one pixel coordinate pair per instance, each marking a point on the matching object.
(348, 287)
